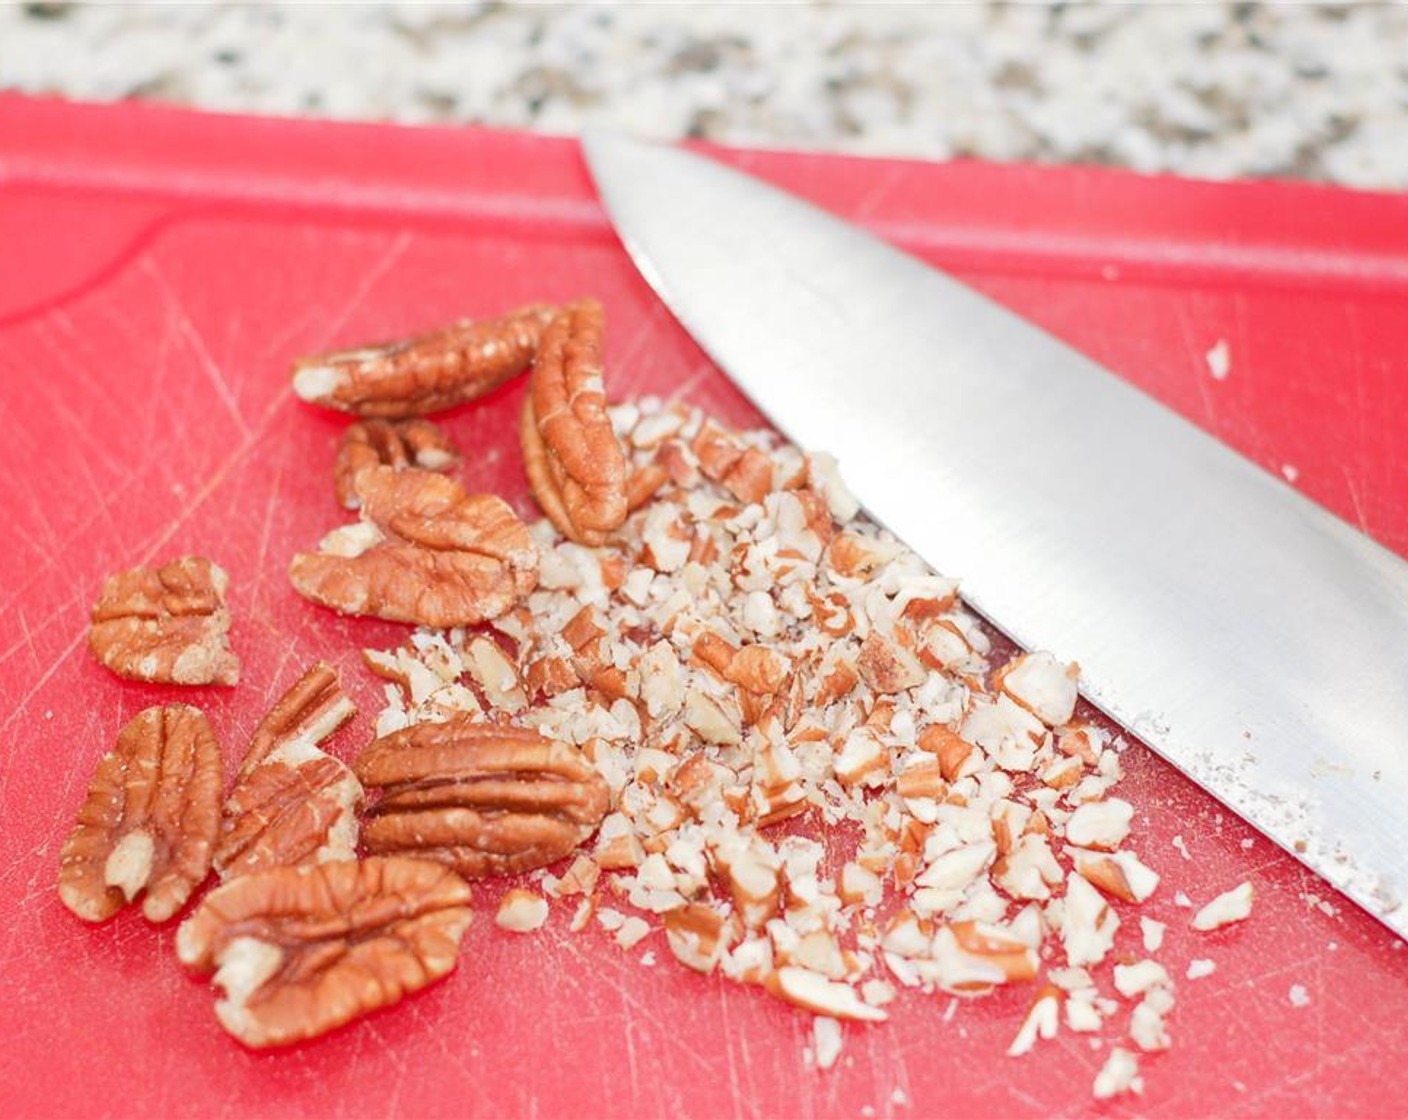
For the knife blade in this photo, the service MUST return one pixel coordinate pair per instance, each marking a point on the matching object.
(1251, 638)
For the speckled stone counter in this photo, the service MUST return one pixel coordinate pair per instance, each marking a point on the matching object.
(1211, 90)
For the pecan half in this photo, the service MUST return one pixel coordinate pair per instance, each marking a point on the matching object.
(389, 443)
(150, 820)
(169, 624)
(417, 376)
(299, 951)
(291, 802)
(424, 552)
(575, 464)
(486, 799)
(311, 710)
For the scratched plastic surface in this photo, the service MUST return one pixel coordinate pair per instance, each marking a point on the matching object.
(160, 271)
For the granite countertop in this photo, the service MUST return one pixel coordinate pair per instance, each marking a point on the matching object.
(1213, 90)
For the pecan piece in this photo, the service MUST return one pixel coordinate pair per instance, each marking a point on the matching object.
(575, 464)
(424, 552)
(486, 799)
(291, 802)
(389, 443)
(150, 820)
(169, 624)
(299, 951)
(429, 373)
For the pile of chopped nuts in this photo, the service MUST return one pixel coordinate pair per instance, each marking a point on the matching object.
(749, 650)
(704, 695)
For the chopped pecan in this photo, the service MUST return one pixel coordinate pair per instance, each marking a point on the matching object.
(715, 652)
(584, 635)
(299, 951)
(521, 911)
(167, 624)
(778, 792)
(645, 482)
(1121, 875)
(753, 874)
(815, 993)
(758, 669)
(678, 464)
(575, 464)
(887, 667)
(817, 514)
(837, 675)
(1230, 906)
(854, 554)
(750, 478)
(389, 443)
(150, 820)
(957, 757)
(698, 935)
(921, 778)
(485, 799)
(424, 552)
(291, 802)
(745, 472)
(496, 676)
(547, 677)
(417, 376)
(973, 957)
(716, 450)
(753, 668)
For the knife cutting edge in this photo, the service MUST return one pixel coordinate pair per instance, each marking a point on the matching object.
(1251, 638)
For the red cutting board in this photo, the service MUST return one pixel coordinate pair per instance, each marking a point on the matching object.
(160, 270)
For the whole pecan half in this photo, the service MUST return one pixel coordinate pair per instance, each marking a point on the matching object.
(575, 464)
(389, 443)
(150, 820)
(291, 802)
(169, 624)
(301, 950)
(424, 552)
(483, 798)
(428, 373)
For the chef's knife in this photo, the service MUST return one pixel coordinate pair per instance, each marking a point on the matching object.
(1250, 637)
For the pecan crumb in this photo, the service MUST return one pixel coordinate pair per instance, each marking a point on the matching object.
(1231, 906)
(521, 911)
